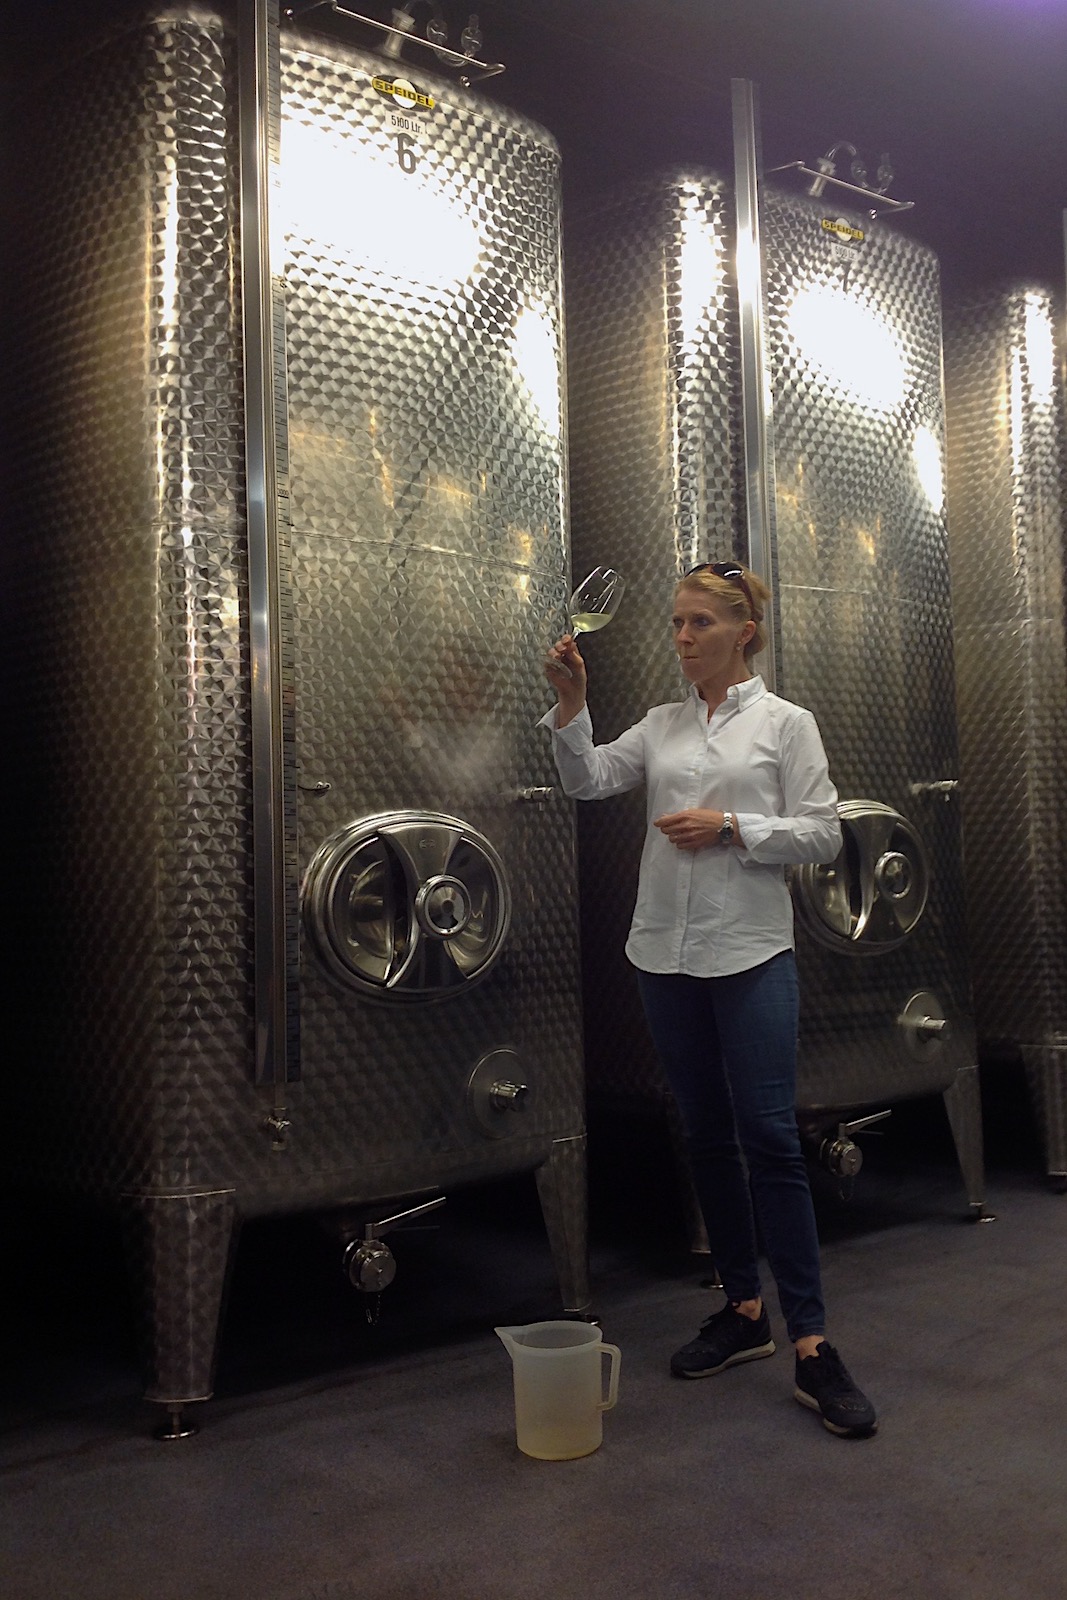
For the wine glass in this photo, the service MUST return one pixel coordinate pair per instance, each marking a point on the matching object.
(593, 604)
(596, 600)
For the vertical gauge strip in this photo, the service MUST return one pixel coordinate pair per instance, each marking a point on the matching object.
(758, 431)
(275, 888)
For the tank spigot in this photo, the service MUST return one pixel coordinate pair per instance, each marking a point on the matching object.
(839, 1153)
(279, 1125)
(505, 1096)
(370, 1264)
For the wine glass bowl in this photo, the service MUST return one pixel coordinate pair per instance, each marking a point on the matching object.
(596, 600)
(592, 605)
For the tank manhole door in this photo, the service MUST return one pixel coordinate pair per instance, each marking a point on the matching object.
(872, 896)
(407, 905)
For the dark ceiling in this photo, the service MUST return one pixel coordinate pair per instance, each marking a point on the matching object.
(968, 97)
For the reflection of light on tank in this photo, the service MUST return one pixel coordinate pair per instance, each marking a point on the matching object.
(699, 264)
(535, 352)
(929, 467)
(849, 345)
(402, 226)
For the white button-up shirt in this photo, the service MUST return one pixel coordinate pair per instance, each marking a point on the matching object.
(720, 909)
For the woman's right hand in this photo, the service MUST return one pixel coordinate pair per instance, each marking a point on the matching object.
(565, 671)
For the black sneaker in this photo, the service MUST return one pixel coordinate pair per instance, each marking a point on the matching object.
(824, 1384)
(724, 1340)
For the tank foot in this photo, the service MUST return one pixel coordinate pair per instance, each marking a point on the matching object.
(963, 1103)
(1046, 1080)
(561, 1187)
(179, 1249)
(175, 1427)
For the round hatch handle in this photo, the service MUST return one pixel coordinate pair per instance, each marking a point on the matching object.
(872, 896)
(442, 907)
(407, 905)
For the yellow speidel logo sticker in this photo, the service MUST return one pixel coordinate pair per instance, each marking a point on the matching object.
(404, 92)
(842, 230)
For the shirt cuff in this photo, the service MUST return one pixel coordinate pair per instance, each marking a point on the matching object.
(754, 828)
(578, 731)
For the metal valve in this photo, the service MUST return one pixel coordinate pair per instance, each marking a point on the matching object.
(279, 1125)
(945, 787)
(841, 1156)
(496, 1092)
(504, 1095)
(924, 1023)
(839, 1153)
(370, 1264)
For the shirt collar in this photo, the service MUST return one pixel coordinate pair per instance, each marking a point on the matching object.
(738, 695)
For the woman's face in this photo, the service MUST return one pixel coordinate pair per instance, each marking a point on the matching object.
(707, 635)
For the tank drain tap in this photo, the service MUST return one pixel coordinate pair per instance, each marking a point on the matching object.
(839, 1153)
(368, 1261)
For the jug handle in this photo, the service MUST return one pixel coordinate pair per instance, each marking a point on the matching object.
(615, 1353)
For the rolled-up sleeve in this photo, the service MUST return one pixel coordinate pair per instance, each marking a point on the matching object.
(809, 829)
(589, 771)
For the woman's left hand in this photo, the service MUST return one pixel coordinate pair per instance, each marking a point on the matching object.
(691, 830)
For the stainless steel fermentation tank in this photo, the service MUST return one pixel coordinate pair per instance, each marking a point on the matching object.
(1007, 486)
(301, 890)
(664, 459)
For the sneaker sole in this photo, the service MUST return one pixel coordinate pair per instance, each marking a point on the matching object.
(842, 1433)
(756, 1354)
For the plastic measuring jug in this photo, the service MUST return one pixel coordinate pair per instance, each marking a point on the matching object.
(559, 1404)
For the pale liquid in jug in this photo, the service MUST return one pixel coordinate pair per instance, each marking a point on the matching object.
(565, 1422)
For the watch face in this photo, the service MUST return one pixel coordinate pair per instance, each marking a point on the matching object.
(726, 832)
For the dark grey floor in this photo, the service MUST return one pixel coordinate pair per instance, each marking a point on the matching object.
(340, 1461)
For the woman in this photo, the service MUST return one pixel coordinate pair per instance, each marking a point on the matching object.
(738, 786)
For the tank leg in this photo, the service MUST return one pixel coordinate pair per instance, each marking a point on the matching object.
(963, 1102)
(179, 1248)
(692, 1216)
(561, 1186)
(1046, 1077)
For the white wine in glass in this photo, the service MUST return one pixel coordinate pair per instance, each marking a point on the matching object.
(594, 602)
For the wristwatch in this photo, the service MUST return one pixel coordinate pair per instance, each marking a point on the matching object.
(726, 832)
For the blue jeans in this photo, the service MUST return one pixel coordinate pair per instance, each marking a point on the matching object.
(729, 1049)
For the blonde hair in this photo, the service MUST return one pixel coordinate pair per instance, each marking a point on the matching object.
(731, 592)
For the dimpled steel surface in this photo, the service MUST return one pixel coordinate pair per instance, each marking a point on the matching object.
(863, 600)
(1007, 483)
(429, 570)
(854, 337)
(129, 591)
(653, 409)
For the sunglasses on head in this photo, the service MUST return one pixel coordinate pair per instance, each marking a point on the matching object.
(732, 573)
